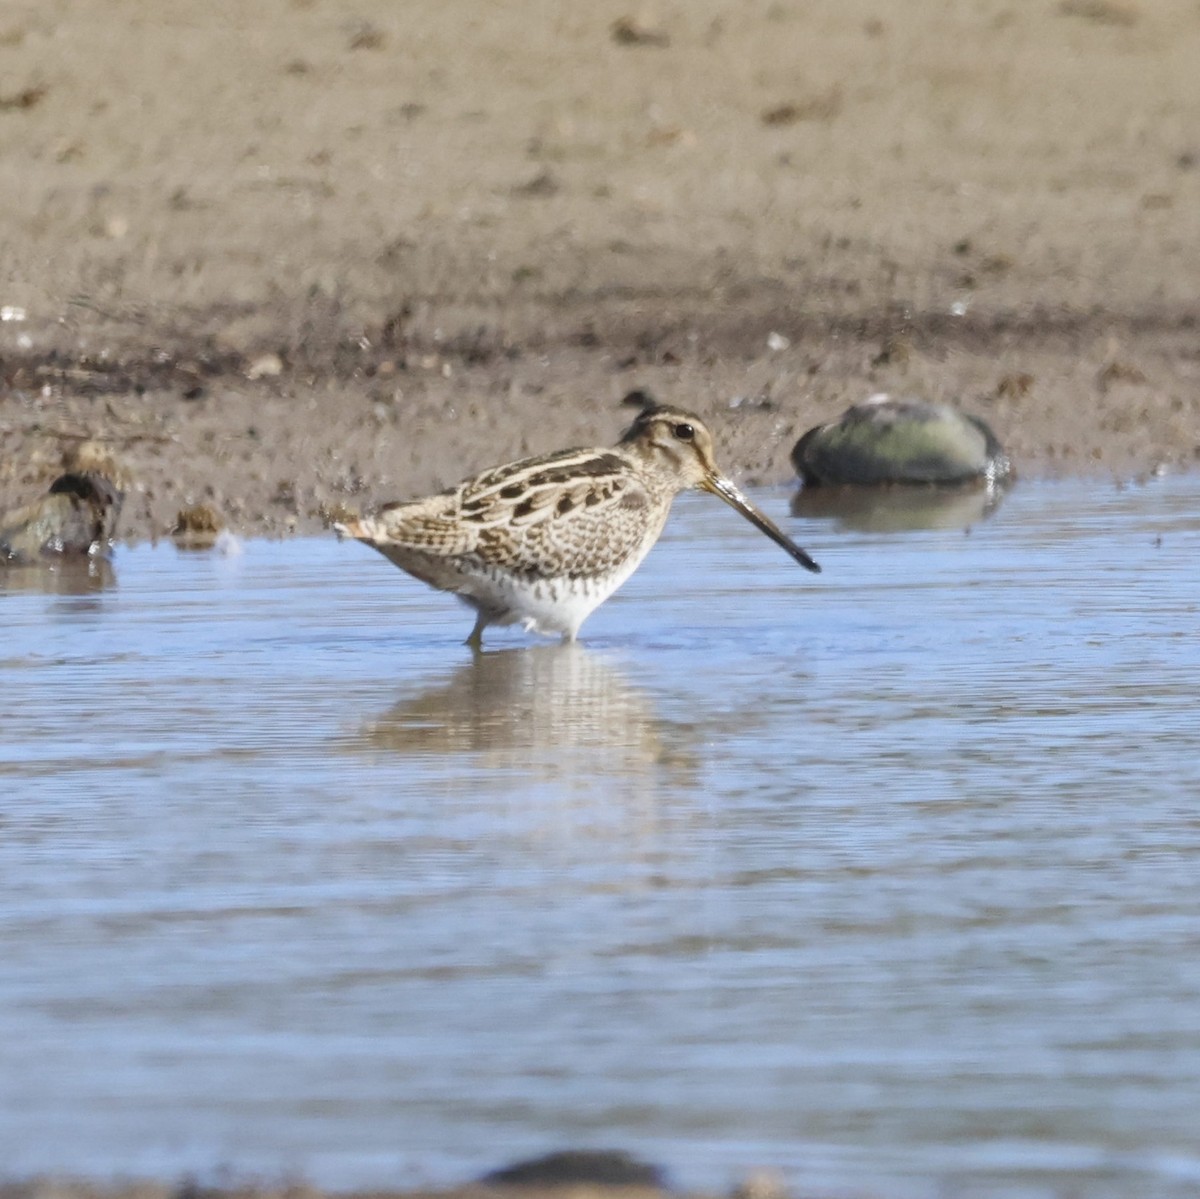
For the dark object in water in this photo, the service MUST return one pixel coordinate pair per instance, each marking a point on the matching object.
(77, 516)
(900, 441)
(575, 1167)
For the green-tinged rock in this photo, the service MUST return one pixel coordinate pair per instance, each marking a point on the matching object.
(900, 441)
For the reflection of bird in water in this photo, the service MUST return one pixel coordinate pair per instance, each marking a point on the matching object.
(548, 745)
(545, 541)
(544, 763)
(514, 704)
(70, 576)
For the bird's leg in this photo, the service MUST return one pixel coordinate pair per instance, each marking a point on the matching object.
(475, 641)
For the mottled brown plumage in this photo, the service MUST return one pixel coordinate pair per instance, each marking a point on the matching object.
(77, 516)
(546, 540)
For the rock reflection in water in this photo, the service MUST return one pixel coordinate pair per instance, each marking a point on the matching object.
(900, 508)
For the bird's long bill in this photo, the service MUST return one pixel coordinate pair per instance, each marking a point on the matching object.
(719, 485)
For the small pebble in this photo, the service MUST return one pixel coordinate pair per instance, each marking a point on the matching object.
(265, 366)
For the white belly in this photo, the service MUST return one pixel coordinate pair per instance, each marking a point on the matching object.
(547, 606)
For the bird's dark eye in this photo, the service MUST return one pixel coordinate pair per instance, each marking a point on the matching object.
(684, 432)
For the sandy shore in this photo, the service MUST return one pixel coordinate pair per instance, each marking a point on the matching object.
(303, 255)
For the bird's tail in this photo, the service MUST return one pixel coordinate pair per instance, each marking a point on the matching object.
(358, 529)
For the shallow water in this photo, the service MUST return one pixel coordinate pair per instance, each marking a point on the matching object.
(886, 878)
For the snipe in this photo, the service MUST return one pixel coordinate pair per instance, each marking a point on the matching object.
(545, 541)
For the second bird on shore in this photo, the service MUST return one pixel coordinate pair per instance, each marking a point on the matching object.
(545, 541)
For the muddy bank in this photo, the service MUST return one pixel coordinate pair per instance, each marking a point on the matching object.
(311, 257)
(315, 436)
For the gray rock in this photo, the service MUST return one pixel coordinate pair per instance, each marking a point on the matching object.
(900, 441)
